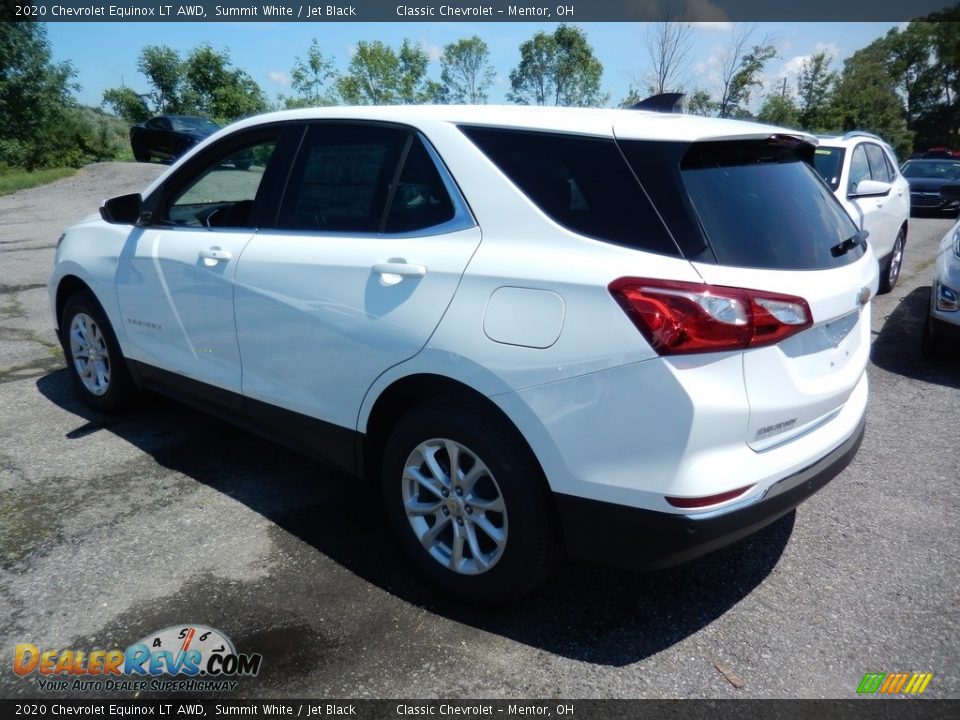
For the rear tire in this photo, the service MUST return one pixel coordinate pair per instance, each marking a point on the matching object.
(140, 155)
(93, 356)
(469, 503)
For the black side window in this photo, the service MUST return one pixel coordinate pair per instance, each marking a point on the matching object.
(342, 177)
(420, 200)
(878, 168)
(582, 183)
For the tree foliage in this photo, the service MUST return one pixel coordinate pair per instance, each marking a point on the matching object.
(377, 75)
(742, 72)
(127, 104)
(557, 69)
(866, 98)
(205, 83)
(465, 71)
(780, 109)
(40, 123)
(815, 83)
(311, 77)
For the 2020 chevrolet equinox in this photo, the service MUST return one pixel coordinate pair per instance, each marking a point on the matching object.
(612, 334)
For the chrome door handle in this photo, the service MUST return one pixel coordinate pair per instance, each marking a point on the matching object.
(215, 254)
(401, 269)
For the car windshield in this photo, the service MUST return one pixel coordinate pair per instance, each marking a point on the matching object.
(945, 169)
(828, 161)
(193, 124)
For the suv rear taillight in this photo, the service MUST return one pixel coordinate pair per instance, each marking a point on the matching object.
(682, 317)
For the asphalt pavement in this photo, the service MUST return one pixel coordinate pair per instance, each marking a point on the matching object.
(114, 527)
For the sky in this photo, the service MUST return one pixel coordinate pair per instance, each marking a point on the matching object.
(105, 54)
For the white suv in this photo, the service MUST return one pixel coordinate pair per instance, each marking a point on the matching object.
(863, 172)
(631, 336)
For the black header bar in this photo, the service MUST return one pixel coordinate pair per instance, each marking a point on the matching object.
(471, 10)
(557, 709)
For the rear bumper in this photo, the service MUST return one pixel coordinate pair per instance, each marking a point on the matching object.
(595, 531)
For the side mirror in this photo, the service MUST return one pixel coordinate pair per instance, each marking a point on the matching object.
(871, 188)
(122, 210)
(950, 193)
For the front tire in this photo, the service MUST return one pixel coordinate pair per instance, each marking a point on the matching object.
(93, 356)
(891, 272)
(468, 503)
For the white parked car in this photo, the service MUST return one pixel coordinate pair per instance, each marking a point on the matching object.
(863, 172)
(629, 336)
(942, 324)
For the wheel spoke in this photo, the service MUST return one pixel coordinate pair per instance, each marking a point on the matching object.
(453, 453)
(495, 505)
(423, 508)
(475, 546)
(470, 479)
(456, 556)
(430, 536)
(494, 533)
(430, 456)
(432, 484)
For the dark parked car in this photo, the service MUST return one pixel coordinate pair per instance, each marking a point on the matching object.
(926, 177)
(169, 136)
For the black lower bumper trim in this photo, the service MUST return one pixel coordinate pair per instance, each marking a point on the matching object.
(605, 532)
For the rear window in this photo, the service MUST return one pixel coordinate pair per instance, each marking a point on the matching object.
(581, 183)
(829, 162)
(761, 205)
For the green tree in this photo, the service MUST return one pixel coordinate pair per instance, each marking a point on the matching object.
(780, 109)
(216, 89)
(866, 98)
(206, 83)
(165, 73)
(311, 76)
(815, 84)
(35, 97)
(466, 72)
(415, 86)
(127, 104)
(924, 61)
(377, 75)
(700, 103)
(745, 78)
(557, 69)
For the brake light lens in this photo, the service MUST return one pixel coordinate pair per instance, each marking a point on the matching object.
(680, 318)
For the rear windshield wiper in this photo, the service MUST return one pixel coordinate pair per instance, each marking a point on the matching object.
(849, 244)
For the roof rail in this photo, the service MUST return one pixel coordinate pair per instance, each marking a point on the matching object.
(664, 102)
(860, 133)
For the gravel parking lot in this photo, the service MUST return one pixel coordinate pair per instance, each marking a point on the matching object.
(114, 527)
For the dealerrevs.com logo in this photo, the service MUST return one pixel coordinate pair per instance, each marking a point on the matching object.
(187, 658)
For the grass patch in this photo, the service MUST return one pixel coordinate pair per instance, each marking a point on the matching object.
(12, 179)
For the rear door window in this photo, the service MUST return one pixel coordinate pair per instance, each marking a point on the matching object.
(581, 183)
(341, 179)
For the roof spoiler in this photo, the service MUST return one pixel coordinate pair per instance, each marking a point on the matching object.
(664, 102)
